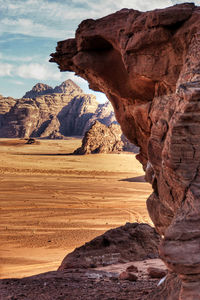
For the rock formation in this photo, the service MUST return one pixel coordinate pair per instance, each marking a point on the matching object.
(52, 113)
(5, 105)
(148, 65)
(78, 276)
(126, 243)
(38, 90)
(104, 139)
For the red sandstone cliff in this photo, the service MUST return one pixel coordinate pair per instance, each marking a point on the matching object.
(148, 65)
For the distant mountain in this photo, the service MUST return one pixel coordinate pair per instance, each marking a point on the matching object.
(38, 90)
(68, 87)
(48, 112)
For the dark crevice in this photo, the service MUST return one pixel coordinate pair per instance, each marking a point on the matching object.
(95, 43)
(170, 190)
(173, 28)
(155, 186)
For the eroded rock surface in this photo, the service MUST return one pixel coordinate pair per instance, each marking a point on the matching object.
(148, 65)
(104, 139)
(130, 242)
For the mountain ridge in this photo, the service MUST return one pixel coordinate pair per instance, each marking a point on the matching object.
(47, 112)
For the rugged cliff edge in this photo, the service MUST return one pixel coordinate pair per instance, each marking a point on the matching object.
(148, 65)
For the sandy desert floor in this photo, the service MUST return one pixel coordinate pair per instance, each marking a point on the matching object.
(52, 202)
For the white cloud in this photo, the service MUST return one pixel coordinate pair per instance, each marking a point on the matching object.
(5, 69)
(59, 19)
(31, 70)
(38, 71)
(70, 10)
(197, 2)
(31, 28)
(17, 82)
(14, 58)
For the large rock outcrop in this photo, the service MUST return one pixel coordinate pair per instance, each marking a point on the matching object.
(101, 139)
(148, 65)
(52, 113)
(126, 243)
(104, 139)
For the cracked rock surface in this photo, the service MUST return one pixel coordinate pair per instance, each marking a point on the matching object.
(148, 65)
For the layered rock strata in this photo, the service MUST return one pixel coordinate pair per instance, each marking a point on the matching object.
(148, 65)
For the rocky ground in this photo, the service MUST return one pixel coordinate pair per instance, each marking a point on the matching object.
(78, 278)
(77, 284)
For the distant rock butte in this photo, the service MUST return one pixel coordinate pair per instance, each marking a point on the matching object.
(52, 113)
(148, 65)
(104, 139)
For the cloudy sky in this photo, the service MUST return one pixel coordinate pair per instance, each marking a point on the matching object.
(30, 29)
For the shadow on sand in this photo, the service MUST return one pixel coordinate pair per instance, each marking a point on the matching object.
(134, 179)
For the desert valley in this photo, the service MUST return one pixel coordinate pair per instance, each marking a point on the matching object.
(53, 202)
(101, 200)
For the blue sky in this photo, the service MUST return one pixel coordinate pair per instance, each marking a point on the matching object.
(30, 29)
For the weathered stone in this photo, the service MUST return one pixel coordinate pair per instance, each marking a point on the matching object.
(104, 139)
(148, 65)
(130, 242)
(132, 268)
(156, 272)
(128, 276)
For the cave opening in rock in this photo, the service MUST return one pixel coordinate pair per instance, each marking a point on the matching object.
(95, 43)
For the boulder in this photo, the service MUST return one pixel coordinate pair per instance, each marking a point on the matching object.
(128, 276)
(132, 269)
(156, 272)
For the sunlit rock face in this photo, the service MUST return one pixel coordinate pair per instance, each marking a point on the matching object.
(105, 139)
(48, 112)
(148, 65)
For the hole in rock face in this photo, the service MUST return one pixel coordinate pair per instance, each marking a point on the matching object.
(95, 43)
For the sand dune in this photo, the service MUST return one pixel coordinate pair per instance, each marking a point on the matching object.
(52, 202)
